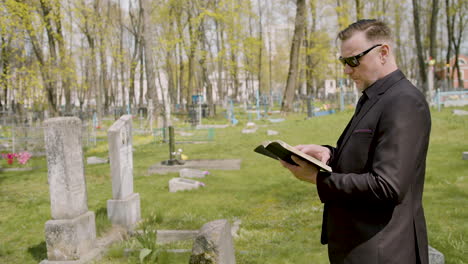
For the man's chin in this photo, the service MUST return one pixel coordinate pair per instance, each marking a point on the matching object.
(359, 85)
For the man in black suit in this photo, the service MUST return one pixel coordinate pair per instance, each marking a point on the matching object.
(373, 198)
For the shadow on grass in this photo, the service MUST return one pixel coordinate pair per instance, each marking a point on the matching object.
(39, 251)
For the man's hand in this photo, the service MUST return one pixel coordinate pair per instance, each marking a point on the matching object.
(319, 152)
(304, 172)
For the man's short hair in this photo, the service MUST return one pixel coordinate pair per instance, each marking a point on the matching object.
(373, 28)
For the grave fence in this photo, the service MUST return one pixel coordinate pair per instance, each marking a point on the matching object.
(185, 135)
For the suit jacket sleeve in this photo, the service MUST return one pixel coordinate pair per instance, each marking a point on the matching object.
(398, 150)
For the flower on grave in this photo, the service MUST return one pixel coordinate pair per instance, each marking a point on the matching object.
(23, 157)
(206, 173)
(10, 157)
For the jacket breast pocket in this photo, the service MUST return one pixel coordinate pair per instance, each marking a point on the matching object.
(358, 151)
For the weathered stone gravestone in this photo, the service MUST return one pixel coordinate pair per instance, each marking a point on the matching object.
(71, 234)
(181, 184)
(435, 257)
(124, 208)
(213, 244)
(465, 155)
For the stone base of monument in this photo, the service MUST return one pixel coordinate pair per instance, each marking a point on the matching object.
(214, 244)
(227, 164)
(126, 212)
(70, 239)
(102, 244)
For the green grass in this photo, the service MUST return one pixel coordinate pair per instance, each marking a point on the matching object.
(281, 217)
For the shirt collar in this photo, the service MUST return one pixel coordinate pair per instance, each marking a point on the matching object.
(377, 86)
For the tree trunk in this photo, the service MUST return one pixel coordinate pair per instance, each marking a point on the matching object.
(288, 97)
(220, 64)
(358, 9)
(260, 49)
(148, 58)
(433, 30)
(419, 48)
(450, 22)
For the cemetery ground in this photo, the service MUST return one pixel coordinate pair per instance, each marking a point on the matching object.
(281, 216)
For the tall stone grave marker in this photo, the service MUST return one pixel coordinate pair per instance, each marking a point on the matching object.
(124, 208)
(71, 233)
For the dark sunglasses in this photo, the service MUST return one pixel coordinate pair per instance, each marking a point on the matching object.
(354, 60)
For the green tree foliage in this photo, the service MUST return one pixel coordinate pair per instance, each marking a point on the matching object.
(105, 54)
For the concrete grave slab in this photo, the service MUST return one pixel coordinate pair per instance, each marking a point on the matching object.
(181, 184)
(459, 112)
(227, 164)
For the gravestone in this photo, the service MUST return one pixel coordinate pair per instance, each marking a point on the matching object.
(214, 244)
(124, 208)
(435, 257)
(465, 155)
(181, 184)
(71, 233)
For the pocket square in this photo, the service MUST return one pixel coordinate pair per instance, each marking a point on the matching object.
(363, 130)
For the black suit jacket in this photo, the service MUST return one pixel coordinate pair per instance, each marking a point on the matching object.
(373, 198)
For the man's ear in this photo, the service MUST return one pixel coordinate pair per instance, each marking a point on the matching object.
(384, 53)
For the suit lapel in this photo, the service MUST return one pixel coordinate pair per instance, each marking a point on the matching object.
(380, 90)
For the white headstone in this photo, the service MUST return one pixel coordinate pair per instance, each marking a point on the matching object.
(180, 184)
(121, 157)
(124, 208)
(64, 152)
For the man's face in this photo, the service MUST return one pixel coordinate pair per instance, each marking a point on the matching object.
(367, 72)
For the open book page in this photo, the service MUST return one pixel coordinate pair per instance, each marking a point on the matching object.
(278, 149)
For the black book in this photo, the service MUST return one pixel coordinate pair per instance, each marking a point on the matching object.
(278, 149)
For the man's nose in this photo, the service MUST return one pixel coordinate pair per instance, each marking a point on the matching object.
(348, 69)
